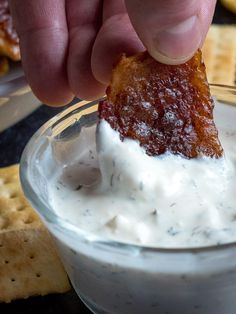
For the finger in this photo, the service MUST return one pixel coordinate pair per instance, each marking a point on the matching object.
(171, 30)
(84, 20)
(43, 33)
(115, 37)
(207, 9)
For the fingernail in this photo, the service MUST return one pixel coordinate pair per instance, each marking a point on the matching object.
(178, 43)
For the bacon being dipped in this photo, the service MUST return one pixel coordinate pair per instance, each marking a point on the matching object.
(167, 108)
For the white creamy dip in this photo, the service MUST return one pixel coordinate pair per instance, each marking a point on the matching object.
(167, 201)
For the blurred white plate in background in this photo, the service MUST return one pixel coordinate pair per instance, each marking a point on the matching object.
(16, 98)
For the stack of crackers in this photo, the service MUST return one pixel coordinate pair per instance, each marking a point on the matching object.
(29, 264)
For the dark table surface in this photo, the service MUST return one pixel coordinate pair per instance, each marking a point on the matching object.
(12, 143)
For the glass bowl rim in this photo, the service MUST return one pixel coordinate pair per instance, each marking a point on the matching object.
(64, 225)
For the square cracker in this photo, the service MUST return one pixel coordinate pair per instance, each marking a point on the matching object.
(29, 264)
(15, 211)
(219, 54)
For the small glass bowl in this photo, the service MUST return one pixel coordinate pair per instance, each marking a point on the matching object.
(112, 277)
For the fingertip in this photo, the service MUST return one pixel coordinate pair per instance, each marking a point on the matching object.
(43, 33)
(52, 90)
(178, 43)
(80, 76)
(109, 46)
(50, 87)
(90, 91)
(45, 65)
(172, 31)
(53, 98)
(168, 60)
(91, 96)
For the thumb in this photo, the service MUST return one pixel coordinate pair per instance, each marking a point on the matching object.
(171, 30)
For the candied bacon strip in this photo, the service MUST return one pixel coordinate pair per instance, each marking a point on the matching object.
(168, 108)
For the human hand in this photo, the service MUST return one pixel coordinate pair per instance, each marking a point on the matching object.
(68, 47)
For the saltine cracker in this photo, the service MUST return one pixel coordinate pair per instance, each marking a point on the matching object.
(219, 54)
(29, 264)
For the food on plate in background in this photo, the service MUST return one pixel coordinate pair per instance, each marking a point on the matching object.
(219, 54)
(230, 5)
(4, 65)
(9, 41)
(29, 264)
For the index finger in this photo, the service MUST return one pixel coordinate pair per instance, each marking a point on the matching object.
(42, 29)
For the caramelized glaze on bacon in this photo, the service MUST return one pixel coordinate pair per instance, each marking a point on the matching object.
(168, 108)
